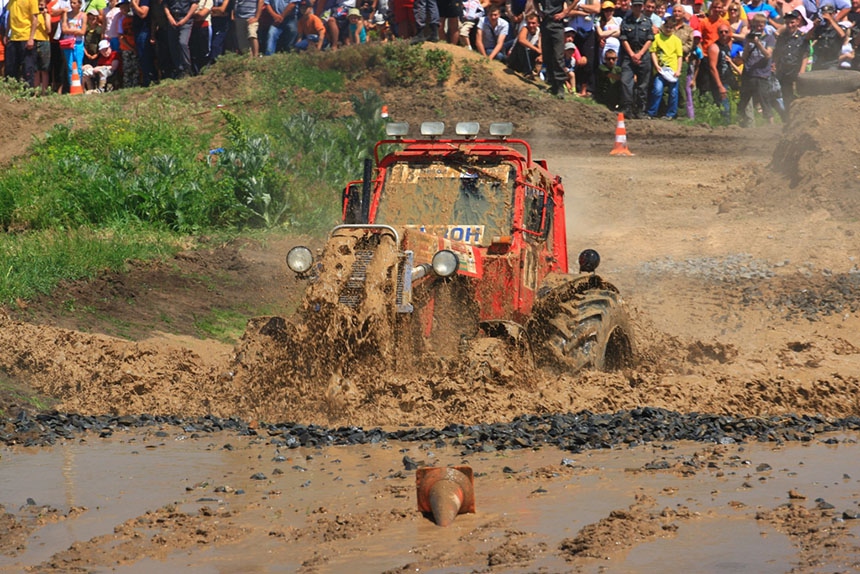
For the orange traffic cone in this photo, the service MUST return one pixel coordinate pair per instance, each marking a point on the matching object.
(620, 138)
(384, 112)
(445, 492)
(75, 86)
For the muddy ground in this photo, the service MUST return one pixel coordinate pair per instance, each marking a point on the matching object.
(736, 252)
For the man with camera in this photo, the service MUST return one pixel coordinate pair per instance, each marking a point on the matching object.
(828, 37)
(758, 50)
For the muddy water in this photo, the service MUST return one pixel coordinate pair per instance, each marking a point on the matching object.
(353, 508)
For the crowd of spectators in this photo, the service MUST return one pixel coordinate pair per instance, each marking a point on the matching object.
(641, 57)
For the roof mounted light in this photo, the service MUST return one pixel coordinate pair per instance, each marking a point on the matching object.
(432, 129)
(501, 129)
(469, 129)
(396, 129)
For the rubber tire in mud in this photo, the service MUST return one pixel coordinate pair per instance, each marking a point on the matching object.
(590, 331)
(826, 82)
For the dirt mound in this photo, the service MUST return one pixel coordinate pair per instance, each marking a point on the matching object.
(816, 157)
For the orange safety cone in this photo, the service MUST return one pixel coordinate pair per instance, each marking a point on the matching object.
(384, 112)
(445, 492)
(75, 86)
(620, 147)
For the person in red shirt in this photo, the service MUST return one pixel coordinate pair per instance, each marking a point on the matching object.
(106, 66)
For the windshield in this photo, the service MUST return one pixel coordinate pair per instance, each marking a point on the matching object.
(470, 203)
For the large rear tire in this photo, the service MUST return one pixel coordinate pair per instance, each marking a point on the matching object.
(826, 82)
(583, 325)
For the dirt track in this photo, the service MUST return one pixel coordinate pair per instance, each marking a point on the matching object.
(744, 291)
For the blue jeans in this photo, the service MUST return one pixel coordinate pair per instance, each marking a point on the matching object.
(657, 97)
(289, 29)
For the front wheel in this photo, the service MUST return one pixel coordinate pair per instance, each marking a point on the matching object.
(583, 326)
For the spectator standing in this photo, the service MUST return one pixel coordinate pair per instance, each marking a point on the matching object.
(722, 70)
(404, 18)
(473, 11)
(649, 10)
(113, 25)
(140, 25)
(245, 20)
(179, 14)
(21, 43)
(450, 12)
(219, 24)
(555, 13)
(201, 36)
(492, 33)
(608, 30)
(709, 28)
(585, 37)
(426, 20)
(94, 35)
(525, 56)
(828, 38)
(74, 28)
(284, 29)
(636, 38)
(130, 65)
(42, 39)
(311, 30)
(790, 55)
(739, 28)
(853, 15)
(667, 54)
(760, 6)
(757, 69)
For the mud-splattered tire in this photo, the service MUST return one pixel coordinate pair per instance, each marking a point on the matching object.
(590, 329)
(826, 82)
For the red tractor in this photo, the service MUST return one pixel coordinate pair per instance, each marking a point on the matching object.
(450, 239)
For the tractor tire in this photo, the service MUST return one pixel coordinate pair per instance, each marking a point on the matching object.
(827, 82)
(587, 329)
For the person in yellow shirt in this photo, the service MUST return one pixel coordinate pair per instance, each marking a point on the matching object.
(21, 47)
(667, 53)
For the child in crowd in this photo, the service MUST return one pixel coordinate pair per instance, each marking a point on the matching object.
(95, 34)
(357, 31)
(572, 59)
(113, 24)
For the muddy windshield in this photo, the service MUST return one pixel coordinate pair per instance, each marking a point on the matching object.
(470, 203)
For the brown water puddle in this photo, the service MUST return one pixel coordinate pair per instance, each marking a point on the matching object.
(353, 509)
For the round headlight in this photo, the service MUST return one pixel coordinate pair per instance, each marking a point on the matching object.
(300, 259)
(445, 263)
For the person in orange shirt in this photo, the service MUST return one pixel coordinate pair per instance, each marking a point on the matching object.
(709, 28)
(311, 30)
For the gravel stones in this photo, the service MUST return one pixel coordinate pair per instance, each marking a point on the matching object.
(574, 432)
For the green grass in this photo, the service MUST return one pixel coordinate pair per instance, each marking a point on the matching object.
(34, 262)
(225, 325)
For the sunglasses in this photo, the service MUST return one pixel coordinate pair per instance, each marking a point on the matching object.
(733, 10)
(725, 32)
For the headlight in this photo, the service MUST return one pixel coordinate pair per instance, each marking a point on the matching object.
(445, 263)
(300, 259)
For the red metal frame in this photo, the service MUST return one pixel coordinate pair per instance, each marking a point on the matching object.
(512, 274)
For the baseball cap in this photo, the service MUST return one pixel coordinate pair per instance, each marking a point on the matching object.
(793, 14)
(606, 5)
(639, 2)
(570, 46)
(104, 45)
